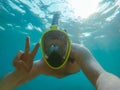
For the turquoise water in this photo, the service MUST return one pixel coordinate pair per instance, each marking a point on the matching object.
(100, 32)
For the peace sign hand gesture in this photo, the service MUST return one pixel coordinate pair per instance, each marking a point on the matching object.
(24, 60)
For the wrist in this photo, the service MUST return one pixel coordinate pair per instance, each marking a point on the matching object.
(11, 80)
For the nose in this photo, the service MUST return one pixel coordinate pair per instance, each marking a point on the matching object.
(53, 48)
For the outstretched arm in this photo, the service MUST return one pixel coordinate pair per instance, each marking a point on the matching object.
(101, 79)
(88, 63)
(24, 66)
(18, 77)
(10, 81)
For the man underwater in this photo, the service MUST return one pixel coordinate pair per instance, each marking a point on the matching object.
(60, 59)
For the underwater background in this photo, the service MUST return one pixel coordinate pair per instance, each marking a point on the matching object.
(94, 23)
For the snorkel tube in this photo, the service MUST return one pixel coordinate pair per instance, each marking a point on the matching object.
(55, 21)
(55, 32)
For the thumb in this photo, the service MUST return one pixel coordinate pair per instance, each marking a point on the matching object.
(17, 57)
(21, 65)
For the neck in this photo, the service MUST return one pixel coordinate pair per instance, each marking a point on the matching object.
(46, 70)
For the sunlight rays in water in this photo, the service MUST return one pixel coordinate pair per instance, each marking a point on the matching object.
(84, 8)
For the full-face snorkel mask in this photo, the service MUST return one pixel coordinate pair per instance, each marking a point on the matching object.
(55, 45)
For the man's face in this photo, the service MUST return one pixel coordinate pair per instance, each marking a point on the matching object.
(56, 46)
(56, 39)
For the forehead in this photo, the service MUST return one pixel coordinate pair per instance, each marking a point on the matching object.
(55, 36)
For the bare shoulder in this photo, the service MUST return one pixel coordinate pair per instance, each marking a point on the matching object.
(38, 64)
(79, 47)
(81, 50)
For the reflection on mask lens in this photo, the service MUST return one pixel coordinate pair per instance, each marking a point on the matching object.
(55, 59)
(53, 48)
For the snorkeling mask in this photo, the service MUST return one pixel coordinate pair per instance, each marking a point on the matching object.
(55, 45)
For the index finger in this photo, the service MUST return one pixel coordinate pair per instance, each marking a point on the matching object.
(35, 50)
(27, 47)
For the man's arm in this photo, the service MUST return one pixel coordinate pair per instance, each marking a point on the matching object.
(101, 79)
(88, 63)
(18, 77)
(24, 67)
(10, 81)
(108, 81)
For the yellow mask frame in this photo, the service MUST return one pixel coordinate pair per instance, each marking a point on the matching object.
(54, 27)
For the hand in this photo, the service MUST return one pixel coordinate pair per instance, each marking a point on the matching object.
(24, 60)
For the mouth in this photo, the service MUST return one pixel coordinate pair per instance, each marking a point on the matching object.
(55, 59)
